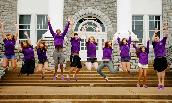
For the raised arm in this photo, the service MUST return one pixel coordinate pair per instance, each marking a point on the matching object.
(134, 45)
(28, 39)
(17, 32)
(147, 47)
(166, 32)
(2, 30)
(118, 39)
(155, 34)
(39, 42)
(50, 27)
(66, 28)
(129, 41)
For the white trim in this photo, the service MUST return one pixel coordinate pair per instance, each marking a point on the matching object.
(37, 25)
(93, 12)
(81, 25)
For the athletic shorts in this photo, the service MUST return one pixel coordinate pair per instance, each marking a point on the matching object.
(92, 60)
(59, 57)
(42, 61)
(142, 65)
(125, 59)
(9, 56)
(75, 61)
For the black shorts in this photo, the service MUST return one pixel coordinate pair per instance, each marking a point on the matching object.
(42, 61)
(92, 60)
(160, 64)
(125, 59)
(75, 61)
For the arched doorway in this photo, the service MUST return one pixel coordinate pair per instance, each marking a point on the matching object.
(91, 26)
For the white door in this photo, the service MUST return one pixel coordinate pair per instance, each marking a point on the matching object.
(101, 37)
(91, 26)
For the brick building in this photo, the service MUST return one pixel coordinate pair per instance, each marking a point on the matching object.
(109, 16)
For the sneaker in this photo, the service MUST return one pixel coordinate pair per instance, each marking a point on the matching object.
(145, 86)
(159, 86)
(62, 77)
(106, 79)
(54, 78)
(162, 87)
(138, 85)
(75, 78)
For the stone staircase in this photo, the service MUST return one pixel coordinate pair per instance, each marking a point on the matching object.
(89, 88)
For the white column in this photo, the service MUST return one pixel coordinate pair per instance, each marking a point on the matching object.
(124, 19)
(55, 12)
(145, 29)
(33, 36)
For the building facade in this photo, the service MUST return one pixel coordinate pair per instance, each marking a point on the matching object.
(99, 17)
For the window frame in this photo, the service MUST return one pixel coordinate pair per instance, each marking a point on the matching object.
(24, 24)
(160, 22)
(134, 24)
(36, 25)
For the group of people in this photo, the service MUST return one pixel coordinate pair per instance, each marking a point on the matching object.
(160, 62)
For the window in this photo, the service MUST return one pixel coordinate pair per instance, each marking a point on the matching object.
(24, 25)
(91, 24)
(154, 22)
(137, 26)
(42, 25)
(83, 44)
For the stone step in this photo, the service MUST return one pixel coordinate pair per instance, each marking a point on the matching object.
(10, 71)
(79, 81)
(84, 70)
(82, 78)
(119, 74)
(77, 84)
(85, 101)
(30, 92)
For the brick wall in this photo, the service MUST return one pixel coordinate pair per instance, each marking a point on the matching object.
(167, 18)
(8, 14)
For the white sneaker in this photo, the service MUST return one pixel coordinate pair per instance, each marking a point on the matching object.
(106, 79)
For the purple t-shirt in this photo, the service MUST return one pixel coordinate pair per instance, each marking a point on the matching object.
(159, 47)
(9, 46)
(143, 56)
(75, 45)
(58, 39)
(28, 53)
(107, 53)
(41, 54)
(124, 48)
(91, 49)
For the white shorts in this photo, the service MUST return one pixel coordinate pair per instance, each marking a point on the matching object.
(142, 65)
